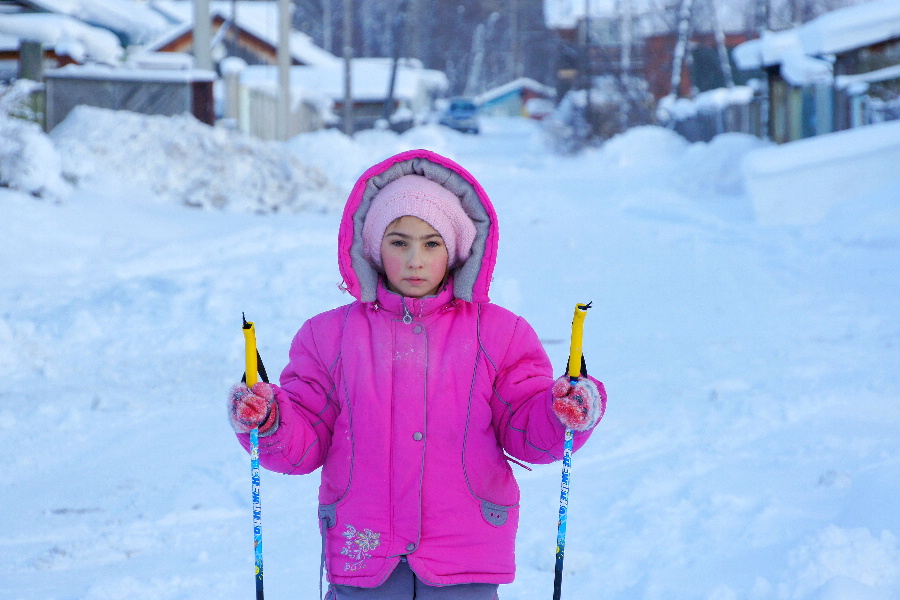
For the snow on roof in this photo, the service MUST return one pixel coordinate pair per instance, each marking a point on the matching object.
(370, 78)
(259, 18)
(837, 31)
(106, 73)
(520, 83)
(852, 27)
(66, 35)
(766, 50)
(133, 19)
(565, 14)
(885, 74)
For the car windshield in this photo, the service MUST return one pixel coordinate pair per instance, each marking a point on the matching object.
(462, 105)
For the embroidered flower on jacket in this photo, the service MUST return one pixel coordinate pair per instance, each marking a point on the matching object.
(359, 546)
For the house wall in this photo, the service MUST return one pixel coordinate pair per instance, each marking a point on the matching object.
(797, 112)
(154, 97)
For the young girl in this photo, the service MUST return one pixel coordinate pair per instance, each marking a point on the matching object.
(414, 398)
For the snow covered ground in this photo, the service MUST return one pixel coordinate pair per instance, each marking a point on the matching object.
(751, 449)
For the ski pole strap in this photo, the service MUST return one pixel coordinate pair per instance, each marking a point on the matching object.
(262, 370)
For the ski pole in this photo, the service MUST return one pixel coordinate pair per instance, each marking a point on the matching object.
(574, 370)
(251, 355)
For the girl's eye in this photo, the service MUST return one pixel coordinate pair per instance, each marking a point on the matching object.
(398, 243)
(432, 244)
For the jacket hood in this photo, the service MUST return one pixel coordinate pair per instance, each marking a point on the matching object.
(471, 279)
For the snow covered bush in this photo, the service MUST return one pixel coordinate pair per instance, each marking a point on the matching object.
(28, 160)
(566, 129)
(20, 99)
(584, 119)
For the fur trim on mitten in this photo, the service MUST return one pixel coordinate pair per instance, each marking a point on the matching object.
(252, 408)
(578, 406)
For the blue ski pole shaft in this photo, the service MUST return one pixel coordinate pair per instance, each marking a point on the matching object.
(563, 516)
(251, 369)
(257, 512)
(574, 370)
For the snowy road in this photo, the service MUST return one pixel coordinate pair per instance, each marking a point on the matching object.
(751, 449)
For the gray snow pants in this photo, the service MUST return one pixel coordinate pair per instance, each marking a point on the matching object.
(403, 584)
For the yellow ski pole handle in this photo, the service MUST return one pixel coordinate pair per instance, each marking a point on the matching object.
(576, 348)
(250, 366)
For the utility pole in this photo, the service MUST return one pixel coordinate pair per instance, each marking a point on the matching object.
(588, 80)
(327, 40)
(627, 14)
(202, 35)
(284, 69)
(415, 48)
(762, 16)
(515, 40)
(399, 22)
(348, 58)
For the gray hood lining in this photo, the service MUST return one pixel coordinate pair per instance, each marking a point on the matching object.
(465, 274)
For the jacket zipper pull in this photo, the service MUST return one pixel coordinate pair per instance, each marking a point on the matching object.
(407, 316)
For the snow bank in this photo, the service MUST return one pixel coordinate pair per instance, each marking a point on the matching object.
(345, 158)
(702, 171)
(798, 183)
(840, 563)
(182, 160)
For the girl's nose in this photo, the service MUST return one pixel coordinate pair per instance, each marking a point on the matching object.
(414, 259)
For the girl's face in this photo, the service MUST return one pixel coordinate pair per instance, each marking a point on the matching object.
(414, 257)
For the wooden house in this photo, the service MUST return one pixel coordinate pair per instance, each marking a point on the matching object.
(245, 30)
(835, 72)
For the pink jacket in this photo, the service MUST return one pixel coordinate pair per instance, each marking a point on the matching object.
(410, 406)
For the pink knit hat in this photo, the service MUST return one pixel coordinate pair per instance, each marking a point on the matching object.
(420, 197)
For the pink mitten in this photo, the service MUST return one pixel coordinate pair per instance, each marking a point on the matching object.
(578, 406)
(254, 407)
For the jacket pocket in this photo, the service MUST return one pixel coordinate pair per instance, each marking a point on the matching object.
(494, 514)
(327, 516)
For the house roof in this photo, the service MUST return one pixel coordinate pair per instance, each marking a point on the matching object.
(107, 73)
(134, 21)
(65, 35)
(852, 27)
(649, 17)
(832, 33)
(257, 18)
(514, 86)
(370, 78)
